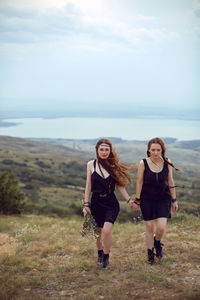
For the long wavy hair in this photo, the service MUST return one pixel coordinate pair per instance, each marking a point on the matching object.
(159, 141)
(118, 170)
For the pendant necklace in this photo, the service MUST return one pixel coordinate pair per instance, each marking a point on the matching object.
(160, 167)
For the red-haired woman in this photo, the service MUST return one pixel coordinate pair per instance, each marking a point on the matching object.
(103, 174)
(155, 193)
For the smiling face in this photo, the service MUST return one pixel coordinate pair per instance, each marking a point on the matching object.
(103, 151)
(155, 151)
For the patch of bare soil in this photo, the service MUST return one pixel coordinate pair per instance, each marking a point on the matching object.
(8, 244)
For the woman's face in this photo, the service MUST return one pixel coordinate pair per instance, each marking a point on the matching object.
(104, 151)
(155, 151)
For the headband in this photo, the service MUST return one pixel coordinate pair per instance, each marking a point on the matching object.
(105, 145)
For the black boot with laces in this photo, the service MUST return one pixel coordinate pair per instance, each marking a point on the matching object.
(158, 246)
(151, 256)
(100, 256)
(105, 262)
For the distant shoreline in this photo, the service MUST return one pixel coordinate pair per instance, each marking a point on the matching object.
(4, 122)
(7, 124)
(89, 128)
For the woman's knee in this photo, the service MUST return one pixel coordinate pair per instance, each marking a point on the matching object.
(161, 225)
(107, 229)
(161, 228)
(149, 226)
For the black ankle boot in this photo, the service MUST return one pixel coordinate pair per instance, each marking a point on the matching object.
(158, 246)
(100, 256)
(105, 261)
(151, 256)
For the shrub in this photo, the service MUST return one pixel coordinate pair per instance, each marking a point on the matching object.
(12, 199)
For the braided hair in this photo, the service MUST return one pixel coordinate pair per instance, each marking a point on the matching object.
(159, 141)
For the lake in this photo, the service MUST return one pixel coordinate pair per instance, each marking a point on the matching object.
(89, 128)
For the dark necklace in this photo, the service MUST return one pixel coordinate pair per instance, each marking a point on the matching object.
(155, 163)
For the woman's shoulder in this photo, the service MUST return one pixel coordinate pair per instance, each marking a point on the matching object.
(90, 163)
(90, 166)
(141, 164)
(142, 161)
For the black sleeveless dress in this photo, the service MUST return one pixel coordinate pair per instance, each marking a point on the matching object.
(155, 195)
(104, 204)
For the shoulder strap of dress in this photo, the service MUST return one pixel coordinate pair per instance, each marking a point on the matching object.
(145, 163)
(95, 165)
(165, 164)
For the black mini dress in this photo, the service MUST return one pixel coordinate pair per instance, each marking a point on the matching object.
(155, 195)
(104, 204)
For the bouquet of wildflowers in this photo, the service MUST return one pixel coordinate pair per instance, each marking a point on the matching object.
(89, 228)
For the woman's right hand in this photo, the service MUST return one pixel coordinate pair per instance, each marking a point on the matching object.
(86, 210)
(135, 206)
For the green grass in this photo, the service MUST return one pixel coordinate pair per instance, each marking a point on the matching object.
(52, 261)
(43, 256)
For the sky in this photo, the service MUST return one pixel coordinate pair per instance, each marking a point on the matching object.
(62, 54)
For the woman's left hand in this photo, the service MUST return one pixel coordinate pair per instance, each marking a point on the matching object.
(174, 207)
(130, 203)
(133, 205)
(86, 210)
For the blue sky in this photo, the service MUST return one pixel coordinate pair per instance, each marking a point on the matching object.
(99, 53)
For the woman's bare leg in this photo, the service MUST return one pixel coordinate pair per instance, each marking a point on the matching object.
(107, 237)
(149, 234)
(160, 228)
(99, 239)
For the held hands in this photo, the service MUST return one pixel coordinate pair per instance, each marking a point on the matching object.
(133, 204)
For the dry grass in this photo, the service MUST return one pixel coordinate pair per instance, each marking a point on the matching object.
(51, 260)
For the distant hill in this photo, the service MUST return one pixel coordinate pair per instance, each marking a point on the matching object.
(51, 176)
(193, 145)
(40, 147)
(185, 154)
(52, 173)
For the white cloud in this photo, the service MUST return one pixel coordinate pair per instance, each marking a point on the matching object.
(89, 22)
(123, 48)
(33, 26)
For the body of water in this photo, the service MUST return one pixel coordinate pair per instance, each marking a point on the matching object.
(88, 128)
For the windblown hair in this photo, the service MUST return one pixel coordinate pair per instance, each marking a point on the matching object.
(119, 171)
(159, 141)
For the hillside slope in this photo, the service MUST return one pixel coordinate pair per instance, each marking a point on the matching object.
(53, 176)
(47, 258)
(8, 143)
(183, 153)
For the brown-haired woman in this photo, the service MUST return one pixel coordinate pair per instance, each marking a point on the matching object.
(155, 192)
(103, 174)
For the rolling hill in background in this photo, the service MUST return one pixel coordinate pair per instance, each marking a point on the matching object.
(52, 173)
(184, 153)
(31, 146)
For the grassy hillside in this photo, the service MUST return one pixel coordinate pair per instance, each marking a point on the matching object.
(53, 176)
(47, 173)
(47, 258)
